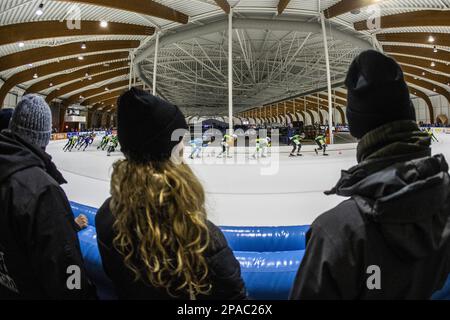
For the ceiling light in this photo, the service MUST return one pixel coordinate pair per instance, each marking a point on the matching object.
(58, 89)
(40, 10)
(431, 39)
(30, 65)
(35, 76)
(433, 64)
(81, 97)
(90, 78)
(423, 73)
(434, 89)
(83, 46)
(106, 89)
(21, 44)
(50, 84)
(80, 58)
(103, 23)
(86, 75)
(435, 50)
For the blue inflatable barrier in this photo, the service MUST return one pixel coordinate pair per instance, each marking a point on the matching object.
(444, 293)
(93, 263)
(256, 239)
(269, 275)
(269, 258)
(266, 239)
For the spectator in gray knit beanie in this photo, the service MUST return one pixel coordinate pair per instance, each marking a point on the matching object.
(32, 120)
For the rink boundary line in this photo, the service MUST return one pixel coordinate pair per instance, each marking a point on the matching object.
(216, 193)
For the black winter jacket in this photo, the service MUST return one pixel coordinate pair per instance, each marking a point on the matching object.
(224, 269)
(38, 241)
(395, 226)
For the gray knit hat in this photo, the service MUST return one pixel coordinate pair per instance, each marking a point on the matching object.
(32, 120)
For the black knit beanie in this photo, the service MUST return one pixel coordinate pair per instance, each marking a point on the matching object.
(377, 93)
(145, 125)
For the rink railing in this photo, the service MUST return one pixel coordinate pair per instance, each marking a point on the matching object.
(269, 257)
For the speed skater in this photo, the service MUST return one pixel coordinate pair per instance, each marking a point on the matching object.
(320, 141)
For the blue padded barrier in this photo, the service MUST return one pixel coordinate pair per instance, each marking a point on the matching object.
(266, 239)
(269, 257)
(93, 263)
(89, 212)
(269, 275)
(257, 239)
(444, 293)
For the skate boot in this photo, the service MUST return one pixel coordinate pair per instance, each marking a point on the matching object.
(317, 153)
(292, 155)
(326, 154)
(299, 155)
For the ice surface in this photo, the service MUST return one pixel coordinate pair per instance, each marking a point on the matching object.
(237, 194)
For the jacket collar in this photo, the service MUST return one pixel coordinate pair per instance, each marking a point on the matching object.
(36, 156)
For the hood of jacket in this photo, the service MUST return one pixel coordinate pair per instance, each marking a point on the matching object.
(402, 188)
(17, 154)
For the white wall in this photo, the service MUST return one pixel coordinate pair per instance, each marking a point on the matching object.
(440, 106)
(12, 97)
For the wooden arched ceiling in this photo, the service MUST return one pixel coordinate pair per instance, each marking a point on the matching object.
(423, 63)
(282, 4)
(48, 53)
(429, 86)
(427, 53)
(21, 32)
(87, 94)
(53, 68)
(80, 85)
(426, 62)
(420, 94)
(345, 6)
(77, 75)
(418, 72)
(224, 5)
(410, 19)
(104, 97)
(336, 100)
(441, 39)
(147, 7)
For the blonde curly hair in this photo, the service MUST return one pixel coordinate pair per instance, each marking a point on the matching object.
(160, 225)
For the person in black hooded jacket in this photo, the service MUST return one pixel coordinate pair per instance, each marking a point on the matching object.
(391, 238)
(39, 248)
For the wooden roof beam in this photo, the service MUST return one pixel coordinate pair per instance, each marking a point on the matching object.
(429, 86)
(21, 32)
(282, 5)
(52, 68)
(224, 5)
(78, 75)
(80, 85)
(418, 51)
(346, 6)
(440, 39)
(48, 53)
(426, 98)
(146, 7)
(424, 18)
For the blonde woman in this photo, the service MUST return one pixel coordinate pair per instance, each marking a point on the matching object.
(153, 234)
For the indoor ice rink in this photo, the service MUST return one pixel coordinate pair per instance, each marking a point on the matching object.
(238, 194)
(273, 70)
